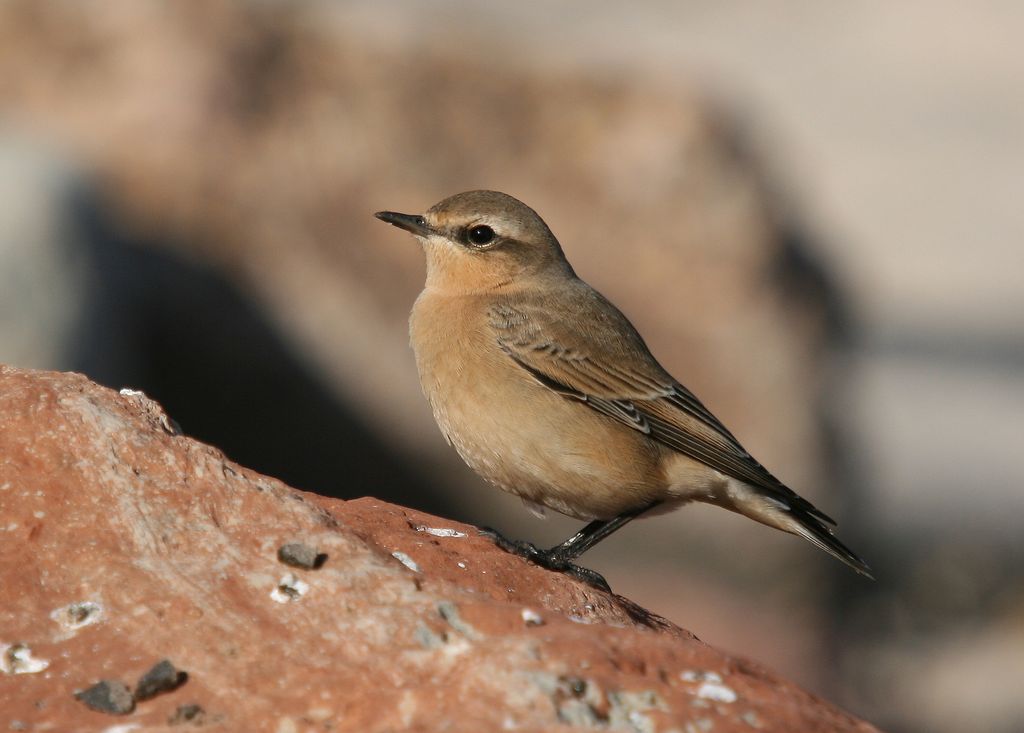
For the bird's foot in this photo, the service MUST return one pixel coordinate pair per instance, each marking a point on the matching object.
(525, 550)
(548, 559)
(591, 577)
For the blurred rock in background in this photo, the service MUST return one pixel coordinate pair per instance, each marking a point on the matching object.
(188, 191)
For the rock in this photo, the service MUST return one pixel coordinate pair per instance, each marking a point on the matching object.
(299, 555)
(108, 696)
(164, 547)
(188, 714)
(162, 677)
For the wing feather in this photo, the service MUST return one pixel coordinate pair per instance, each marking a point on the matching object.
(620, 379)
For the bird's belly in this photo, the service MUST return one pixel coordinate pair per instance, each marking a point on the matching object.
(532, 442)
(571, 468)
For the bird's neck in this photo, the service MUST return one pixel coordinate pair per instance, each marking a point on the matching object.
(468, 276)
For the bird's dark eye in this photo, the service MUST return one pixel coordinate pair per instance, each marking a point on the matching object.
(480, 235)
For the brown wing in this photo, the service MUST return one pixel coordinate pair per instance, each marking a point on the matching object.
(621, 379)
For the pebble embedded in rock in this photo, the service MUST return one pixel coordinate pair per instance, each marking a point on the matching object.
(290, 588)
(162, 677)
(108, 696)
(299, 555)
(18, 659)
(192, 713)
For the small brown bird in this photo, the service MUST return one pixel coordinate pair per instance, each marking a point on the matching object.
(548, 391)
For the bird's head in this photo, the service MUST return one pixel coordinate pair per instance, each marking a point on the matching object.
(480, 240)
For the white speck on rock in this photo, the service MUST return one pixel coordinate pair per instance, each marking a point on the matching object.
(716, 692)
(636, 718)
(531, 617)
(688, 675)
(289, 588)
(129, 392)
(406, 560)
(122, 728)
(18, 659)
(461, 565)
(711, 687)
(440, 531)
(75, 616)
(456, 648)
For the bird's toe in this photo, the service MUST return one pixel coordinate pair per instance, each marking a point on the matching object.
(548, 559)
(521, 548)
(591, 577)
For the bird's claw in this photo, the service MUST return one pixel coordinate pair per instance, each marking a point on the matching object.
(523, 549)
(591, 577)
(547, 559)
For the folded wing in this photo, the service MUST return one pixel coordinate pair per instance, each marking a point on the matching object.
(604, 364)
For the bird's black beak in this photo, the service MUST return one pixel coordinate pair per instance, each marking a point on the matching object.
(409, 222)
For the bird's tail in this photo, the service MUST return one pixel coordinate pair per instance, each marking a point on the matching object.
(797, 517)
(818, 534)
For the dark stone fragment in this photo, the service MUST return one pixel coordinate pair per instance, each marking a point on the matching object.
(299, 555)
(108, 696)
(162, 677)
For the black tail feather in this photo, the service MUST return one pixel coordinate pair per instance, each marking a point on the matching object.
(812, 529)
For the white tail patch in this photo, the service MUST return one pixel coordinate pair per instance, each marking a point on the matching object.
(751, 502)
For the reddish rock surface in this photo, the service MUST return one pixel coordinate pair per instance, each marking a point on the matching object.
(123, 543)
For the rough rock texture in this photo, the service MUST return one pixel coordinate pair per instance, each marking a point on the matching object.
(124, 543)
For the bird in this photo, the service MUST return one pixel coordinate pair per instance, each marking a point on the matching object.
(549, 392)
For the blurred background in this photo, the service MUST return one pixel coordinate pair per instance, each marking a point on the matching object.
(812, 211)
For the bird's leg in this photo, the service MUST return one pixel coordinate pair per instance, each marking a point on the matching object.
(559, 558)
(594, 533)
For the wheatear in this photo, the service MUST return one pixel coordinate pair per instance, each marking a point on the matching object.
(547, 391)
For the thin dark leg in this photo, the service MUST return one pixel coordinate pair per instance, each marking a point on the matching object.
(594, 533)
(560, 557)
